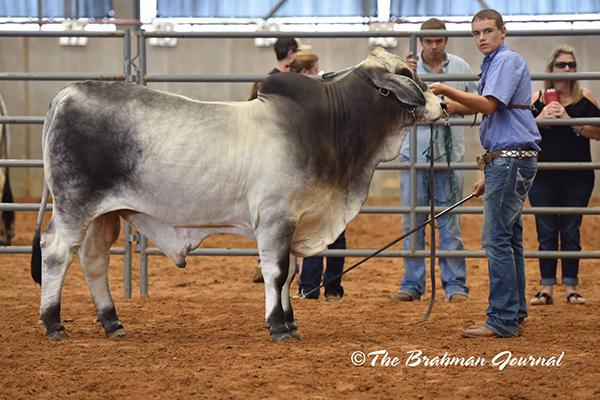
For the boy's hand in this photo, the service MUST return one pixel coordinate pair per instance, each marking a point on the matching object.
(479, 187)
(411, 61)
(438, 88)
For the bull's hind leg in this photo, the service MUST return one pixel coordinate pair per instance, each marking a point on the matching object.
(94, 255)
(285, 299)
(57, 246)
(274, 249)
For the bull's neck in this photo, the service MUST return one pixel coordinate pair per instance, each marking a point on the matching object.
(360, 119)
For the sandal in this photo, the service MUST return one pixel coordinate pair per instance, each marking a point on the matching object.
(541, 299)
(575, 298)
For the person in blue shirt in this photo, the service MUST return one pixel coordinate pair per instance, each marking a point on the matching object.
(510, 137)
(449, 147)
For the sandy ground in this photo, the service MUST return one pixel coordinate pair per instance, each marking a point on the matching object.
(199, 334)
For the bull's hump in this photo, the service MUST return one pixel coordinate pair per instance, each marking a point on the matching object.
(293, 86)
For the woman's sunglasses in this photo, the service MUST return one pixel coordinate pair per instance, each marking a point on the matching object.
(562, 65)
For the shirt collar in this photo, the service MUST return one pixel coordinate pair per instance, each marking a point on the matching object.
(489, 57)
(424, 66)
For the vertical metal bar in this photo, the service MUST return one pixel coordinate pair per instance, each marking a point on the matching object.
(143, 245)
(141, 42)
(142, 240)
(128, 258)
(40, 11)
(127, 54)
(413, 171)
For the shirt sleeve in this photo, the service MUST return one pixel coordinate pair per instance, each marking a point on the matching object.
(502, 80)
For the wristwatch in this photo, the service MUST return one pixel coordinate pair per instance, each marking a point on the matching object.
(578, 130)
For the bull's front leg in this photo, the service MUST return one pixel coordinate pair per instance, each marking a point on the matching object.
(274, 249)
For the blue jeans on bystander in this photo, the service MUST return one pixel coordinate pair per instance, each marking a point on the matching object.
(560, 190)
(453, 270)
(312, 271)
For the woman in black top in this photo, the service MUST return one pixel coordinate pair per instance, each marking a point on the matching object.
(562, 188)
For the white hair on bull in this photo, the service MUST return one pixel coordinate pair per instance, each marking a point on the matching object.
(289, 169)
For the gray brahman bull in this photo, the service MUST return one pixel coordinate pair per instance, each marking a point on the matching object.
(289, 169)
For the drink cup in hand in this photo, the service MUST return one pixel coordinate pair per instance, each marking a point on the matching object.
(551, 95)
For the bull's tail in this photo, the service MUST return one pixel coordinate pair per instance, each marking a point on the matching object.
(36, 248)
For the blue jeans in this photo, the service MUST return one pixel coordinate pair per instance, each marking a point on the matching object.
(507, 182)
(453, 270)
(552, 191)
(312, 270)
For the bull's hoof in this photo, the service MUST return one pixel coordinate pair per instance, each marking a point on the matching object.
(295, 335)
(57, 335)
(281, 337)
(117, 334)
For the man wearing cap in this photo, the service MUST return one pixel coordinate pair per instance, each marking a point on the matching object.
(449, 146)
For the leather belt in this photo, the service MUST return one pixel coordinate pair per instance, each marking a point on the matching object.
(486, 158)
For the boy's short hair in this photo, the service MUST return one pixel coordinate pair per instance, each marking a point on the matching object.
(433, 23)
(489, 13)
(283, 45)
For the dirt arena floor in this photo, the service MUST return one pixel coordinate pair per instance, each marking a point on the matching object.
(199, 334)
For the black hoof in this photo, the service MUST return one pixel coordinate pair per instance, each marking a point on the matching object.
(117, 334)
(111, 328)
(57, 335)
(281, 337)
(295, 335)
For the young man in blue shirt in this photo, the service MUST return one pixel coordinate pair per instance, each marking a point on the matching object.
(449, 146)
(510, 137)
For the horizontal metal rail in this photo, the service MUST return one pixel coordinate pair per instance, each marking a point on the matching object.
(540, 76)
(466, 121)
(27, 250)
(36, 76)
(380, 209)
(429, 77)
(153, 251)
(471, 165)
(23, 207)
(21, 119)
(479, 210)
(553, 166)
(363, 34)
(113, 34)
(22, 163)
(204, 78)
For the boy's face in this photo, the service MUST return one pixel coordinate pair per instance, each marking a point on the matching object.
(434, 48)
(487, 36)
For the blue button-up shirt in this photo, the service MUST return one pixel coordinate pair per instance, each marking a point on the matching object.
(505, 76)
(452, 65)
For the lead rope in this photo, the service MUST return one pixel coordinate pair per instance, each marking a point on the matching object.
(432, 218)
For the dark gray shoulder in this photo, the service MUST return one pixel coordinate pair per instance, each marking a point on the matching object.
(292, 85)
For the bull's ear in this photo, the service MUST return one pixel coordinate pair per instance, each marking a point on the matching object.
(405, 89)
